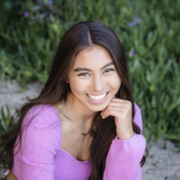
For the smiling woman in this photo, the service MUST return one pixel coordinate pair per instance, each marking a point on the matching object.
(91, 81)
(84, 124)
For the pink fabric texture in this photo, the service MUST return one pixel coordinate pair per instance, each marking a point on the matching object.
(41, 157)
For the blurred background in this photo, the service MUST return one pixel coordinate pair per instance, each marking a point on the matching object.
(30, 31)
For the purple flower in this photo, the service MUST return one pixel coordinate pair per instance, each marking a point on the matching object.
(50, 2)
(132, 53)
(26, 13)
(135, 21)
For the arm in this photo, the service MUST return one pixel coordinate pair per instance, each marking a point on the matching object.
(38, 148)
(124, 156)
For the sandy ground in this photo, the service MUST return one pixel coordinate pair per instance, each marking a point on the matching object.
(161, 164)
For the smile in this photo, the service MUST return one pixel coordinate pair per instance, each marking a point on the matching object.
(99, 97)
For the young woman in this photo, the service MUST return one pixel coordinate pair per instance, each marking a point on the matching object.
(84, 124)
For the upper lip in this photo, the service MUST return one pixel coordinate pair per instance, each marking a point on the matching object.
(97, 94)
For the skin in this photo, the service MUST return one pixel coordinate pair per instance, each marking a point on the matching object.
(121, 110)
(95, 81)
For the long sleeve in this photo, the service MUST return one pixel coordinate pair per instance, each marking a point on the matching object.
(39, 144)
(124, 156)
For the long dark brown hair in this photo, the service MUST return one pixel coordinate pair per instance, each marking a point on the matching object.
(81, 35)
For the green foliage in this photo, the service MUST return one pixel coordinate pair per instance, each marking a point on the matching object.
(28, 44)
(6, 122)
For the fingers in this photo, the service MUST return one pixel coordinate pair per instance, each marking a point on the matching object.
(118, 105)
(111, 112)
(108, 111)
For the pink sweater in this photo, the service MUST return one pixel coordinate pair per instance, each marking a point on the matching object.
(41, 157)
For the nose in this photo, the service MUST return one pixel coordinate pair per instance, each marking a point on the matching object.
(98, 83)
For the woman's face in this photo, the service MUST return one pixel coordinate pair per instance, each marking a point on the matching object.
(93, 78)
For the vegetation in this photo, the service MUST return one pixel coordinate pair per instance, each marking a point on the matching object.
(30, 31)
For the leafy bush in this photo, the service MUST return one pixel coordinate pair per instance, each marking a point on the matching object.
(6, 124)
(149, 31)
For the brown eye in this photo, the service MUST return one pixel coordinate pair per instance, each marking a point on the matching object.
(82, 74)
(109, 70)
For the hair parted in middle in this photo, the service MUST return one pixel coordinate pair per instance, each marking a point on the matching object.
(84, 34)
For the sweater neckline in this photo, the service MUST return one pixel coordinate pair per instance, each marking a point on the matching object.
(55, 111)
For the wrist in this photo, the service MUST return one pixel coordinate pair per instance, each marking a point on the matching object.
(127, 136)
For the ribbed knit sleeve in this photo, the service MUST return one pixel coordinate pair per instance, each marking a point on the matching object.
(40, 140)
(124, 156)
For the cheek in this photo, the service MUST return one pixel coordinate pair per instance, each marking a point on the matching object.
(115, 82)
(78, 86)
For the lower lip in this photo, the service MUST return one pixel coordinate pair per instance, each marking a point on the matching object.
(97, 101)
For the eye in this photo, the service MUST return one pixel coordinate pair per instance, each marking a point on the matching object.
(82, 74)
(108, 70)
(86, 74)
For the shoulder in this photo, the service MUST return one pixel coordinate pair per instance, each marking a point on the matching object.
(41, 116)
(137, 108)
(40, 126)
(138, 117)
(41, 137)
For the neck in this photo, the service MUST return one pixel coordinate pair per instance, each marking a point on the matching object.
(78, 112)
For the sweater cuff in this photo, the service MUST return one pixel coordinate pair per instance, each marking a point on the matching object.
(122, 140)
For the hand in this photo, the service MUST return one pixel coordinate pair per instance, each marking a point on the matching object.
(122, 111)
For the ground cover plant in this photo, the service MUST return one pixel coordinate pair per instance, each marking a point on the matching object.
(30, 31)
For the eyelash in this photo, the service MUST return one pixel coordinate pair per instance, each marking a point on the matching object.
(81, 74)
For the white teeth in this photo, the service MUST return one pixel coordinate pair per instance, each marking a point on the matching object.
(97, 97)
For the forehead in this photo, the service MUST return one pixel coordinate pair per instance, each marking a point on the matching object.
(95, 56)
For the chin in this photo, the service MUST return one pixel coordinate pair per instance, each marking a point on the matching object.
(98, 108)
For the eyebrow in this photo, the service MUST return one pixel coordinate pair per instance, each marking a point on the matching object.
(85, 69)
